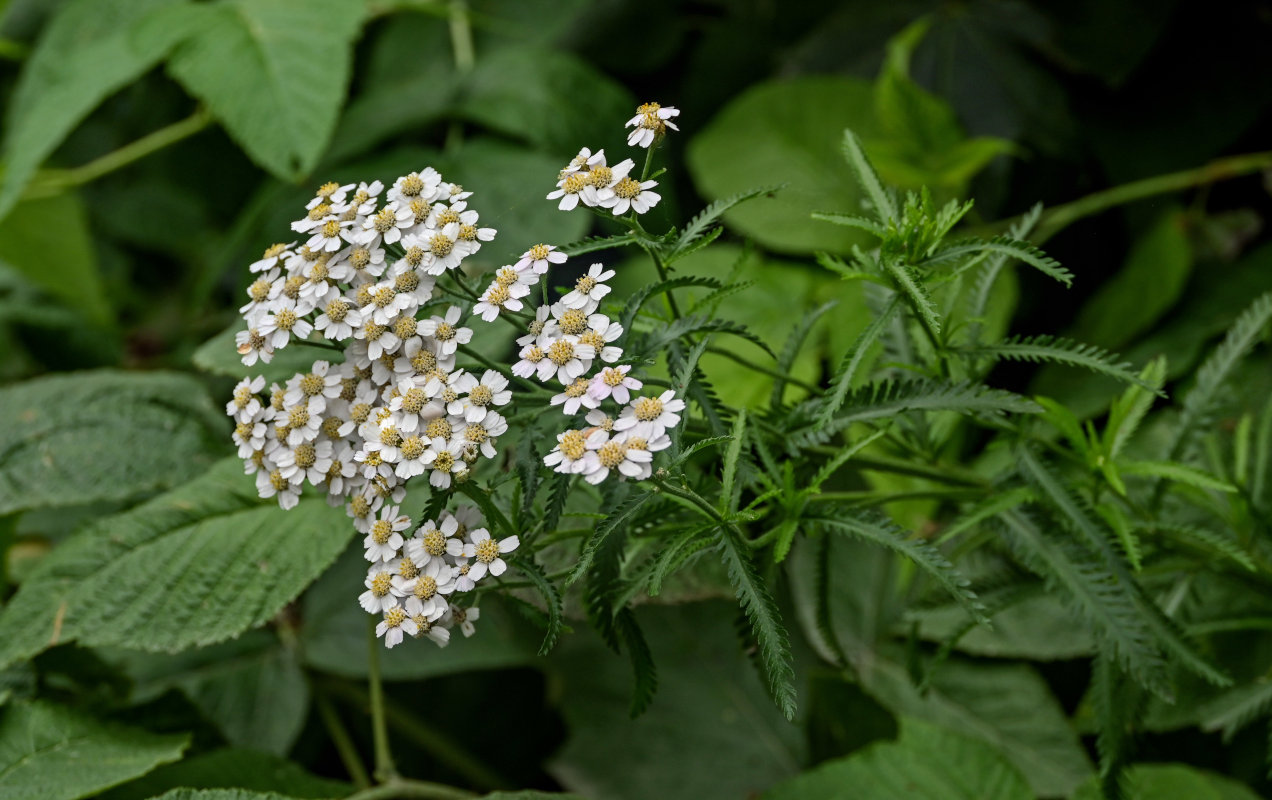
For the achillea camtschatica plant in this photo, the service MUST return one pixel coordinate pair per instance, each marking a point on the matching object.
(377, 276)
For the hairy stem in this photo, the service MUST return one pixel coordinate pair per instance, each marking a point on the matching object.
(343, 742)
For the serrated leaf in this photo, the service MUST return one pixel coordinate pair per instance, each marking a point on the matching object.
(644, 674)
(1176, 472)
(1105, 603)
(638, 298)
(551, 598)
(921, 301)
(619, 516)
(851, 221)
(92, 49)
(1005, 246)
(790, 350)
(48, 752)
(852, 361)
(879, 530)
(195, 566)
(697, 227)
(766, 621)
(1172, 782)
(80, 437)
(868, 179)
(592, 244)
(274, 73)
(1037, 349)
(245, 770)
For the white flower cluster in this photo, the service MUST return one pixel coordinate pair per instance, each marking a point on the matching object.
(397, 406)
(410, 581)
(589, 180)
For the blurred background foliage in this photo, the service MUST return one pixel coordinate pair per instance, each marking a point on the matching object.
(152, 149)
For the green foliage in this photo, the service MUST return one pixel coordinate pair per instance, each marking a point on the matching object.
(924, 762)
(67, 433)
(229, 563)
(48, 752)
(289, 66)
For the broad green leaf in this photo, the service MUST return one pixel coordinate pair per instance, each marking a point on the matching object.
(219, 356)
(529, 794)
(91, 50)
(48, 752)
(80, 437)
(1038, 628)
(243, 770)
(711, 708)
(1173, 782)
(251, 687)
(542, 105)
(1146, 287)
(48, 241)
(787, 131)
(926, 762)
(274, 73)
(195, 566)
(1008, 706)
(334, 634)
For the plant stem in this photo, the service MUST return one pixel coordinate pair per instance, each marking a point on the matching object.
(384, 769)
(751, 365)
(1060, 217)
(461, 34)
(117, 159)
(343, 742)
(404, 788)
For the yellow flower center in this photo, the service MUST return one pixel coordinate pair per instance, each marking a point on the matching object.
(381, 530)
(480, 395)
(487, 550)
(561, 352)
(573, 445)
(412, 448)
(573, 321)
(647, 409)
(627, 189)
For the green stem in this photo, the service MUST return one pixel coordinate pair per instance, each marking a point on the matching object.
(461, 34)
(117, 159)
(343, 742)
(384, 769)
(649, 160)
(403, 788)
(865, 498)
(751, 365)
(1060, 217)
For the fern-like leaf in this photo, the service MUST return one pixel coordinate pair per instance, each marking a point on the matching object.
(638, 297)
(1118, 706)
(886, 399)
(878, 196)
(1006, 246)
(1037, 349)
(1201, 402)
(1236, 708)
(592, 244)
(1094, 594)
(774, 645)
(790, 350)
(852, 361)
(551, 600)
(644, 673)
(697, 323)
(618, 517)
(852, 221)
(878, 529)
(918, 296)
(704, 219)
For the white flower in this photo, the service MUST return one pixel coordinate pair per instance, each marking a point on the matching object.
(331, 235)
(535, 328)
(329, 193)
(319, 382)
(426, 592)
(499, 296)
(566, 358)
(423, 185)
(306, 459)
(379, 338)
(439, 635)
(429, 542)
(245, 406)
(491, 390)
(600, 332)
(361, 203)
(358, 260)
(629, 193)
(445, 462)
(250, 437)
(584, 161)
(443, 249)
(571, 450)
(259, 293)
(481, 434)
(252, 345)
(272, 256)
(570, 189)
(538, 258)
(589, 289)
(386, 225)
(601, 180)
(575, 395)
(338, 318)
(285, 322)
(464, 618)
(651, 121)
(443, 330)
(384, 540)
(379, 596)
(270, 483)
(613, 382)
(485, 551)
(605, 454)
(651, 416)
(395, 622)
